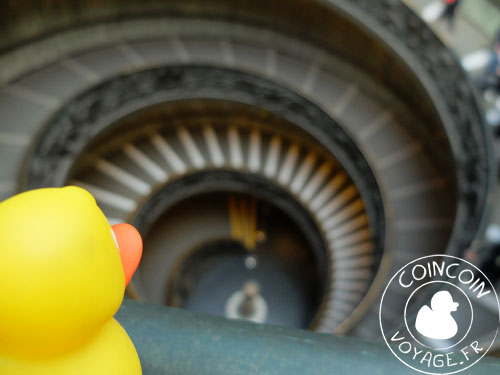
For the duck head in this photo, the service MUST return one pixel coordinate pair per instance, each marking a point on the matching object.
(442, 301)
(63, 270)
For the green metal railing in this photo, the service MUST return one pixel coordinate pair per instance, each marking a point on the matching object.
(174, 341)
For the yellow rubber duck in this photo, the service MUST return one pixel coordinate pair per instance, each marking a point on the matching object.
(63, 271)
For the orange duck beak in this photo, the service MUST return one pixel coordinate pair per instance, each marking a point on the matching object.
(130, 246)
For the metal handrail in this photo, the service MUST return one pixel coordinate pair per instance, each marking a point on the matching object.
(174, 341)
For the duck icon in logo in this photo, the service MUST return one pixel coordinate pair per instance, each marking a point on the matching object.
(436, 322)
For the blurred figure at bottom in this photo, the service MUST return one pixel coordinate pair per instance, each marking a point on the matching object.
(489, 84)
(449, 12)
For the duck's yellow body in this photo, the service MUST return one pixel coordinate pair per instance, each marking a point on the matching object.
(110, 351)
(61, 282)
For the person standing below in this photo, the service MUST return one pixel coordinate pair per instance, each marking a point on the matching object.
(494, 66)
(449, 12)
(489, 81)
